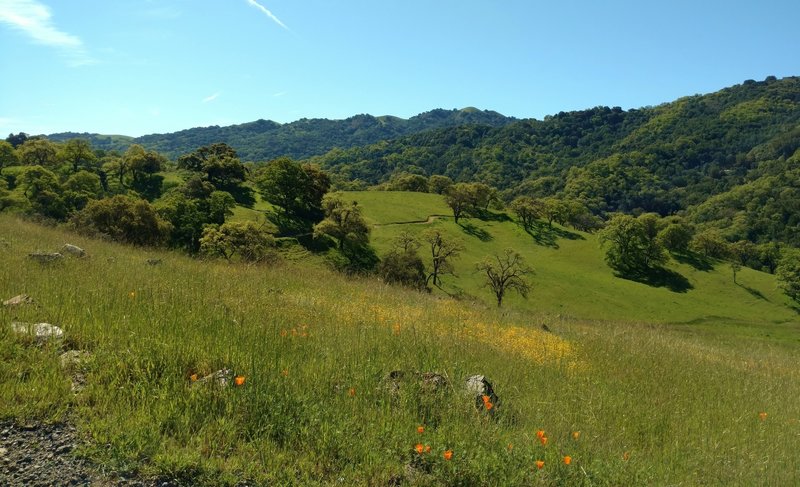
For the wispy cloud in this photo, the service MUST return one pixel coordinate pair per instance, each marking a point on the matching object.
(211, 98)
(267, 13)
(35, 19)
(280, 94)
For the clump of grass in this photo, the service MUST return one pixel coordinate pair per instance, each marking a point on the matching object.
(653, 405)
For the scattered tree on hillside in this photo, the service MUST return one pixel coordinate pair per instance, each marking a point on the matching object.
(631, 244)
(442, 252)
(788, 273)
(38, 152)
(505, 273)
(439, 184)
(297, 189)
(77, 153)
(402, 265)
(249, 240)
(553, 209)
(676, 236)
(527, 210)
(710, 243)
(8, 156)
(17, 140)
(124, 219)
(461, 199)
(343, 222)
(735, 268)
(43, 192)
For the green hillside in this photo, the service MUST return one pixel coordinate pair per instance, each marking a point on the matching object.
(264, 140)
(661, 159)
(628, 403)
(573, 280)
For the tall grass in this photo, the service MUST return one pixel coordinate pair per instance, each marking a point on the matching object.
(653, 405)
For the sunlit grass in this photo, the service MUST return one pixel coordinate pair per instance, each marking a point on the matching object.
(653, 405)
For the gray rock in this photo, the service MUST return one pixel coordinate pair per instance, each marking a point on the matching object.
(45, 257)
(222, 378)
(73, 359)
(73, 250)
(42, 332)
(479, 387)
(18, 300)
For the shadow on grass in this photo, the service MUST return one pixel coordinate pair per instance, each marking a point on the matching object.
(699, 262)
(753, 292)
(492, 216)
(545, 235)
(659, 277)
(474, 231)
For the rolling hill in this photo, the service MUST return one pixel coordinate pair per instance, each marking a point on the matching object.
(264, 140)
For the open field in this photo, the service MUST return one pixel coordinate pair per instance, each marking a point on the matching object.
(653, 405)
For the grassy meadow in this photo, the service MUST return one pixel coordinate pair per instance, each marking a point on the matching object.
(629, 396)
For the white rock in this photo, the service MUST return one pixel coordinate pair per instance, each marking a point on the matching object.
(41, 331)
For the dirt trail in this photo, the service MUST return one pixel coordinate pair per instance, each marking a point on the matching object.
(427, 221)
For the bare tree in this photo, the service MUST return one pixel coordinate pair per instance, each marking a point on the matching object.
(442, 253)
(506, 272)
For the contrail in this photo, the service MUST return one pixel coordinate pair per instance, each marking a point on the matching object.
(267, 13)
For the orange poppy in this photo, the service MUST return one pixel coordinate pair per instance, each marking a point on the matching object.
(419, 448)
(285, 372)
(448, 455)
(427, 448)
(510, 446)
(626, 456)
(540, 434)
(576, 435)
(567, 460)
(543, 440)
(488, 405)
(539, 464)
(486, 399)
(420, 429)
(351, 392)
(193, 377)
(239, 380)
(763, 416)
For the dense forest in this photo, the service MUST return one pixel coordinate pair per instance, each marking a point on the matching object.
(263, 140)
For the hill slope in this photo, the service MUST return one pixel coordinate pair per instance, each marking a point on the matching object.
(661, 159)
(264, 140)
(629, 404)
(572, 279)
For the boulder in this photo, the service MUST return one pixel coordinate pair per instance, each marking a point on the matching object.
(73, 250)
(45, 257)
(427, 381)
(42, 332)
(18, 300)
(479, 387)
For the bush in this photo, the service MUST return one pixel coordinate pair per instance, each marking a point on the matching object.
(124, 219)
(403, 268)
(250, 241)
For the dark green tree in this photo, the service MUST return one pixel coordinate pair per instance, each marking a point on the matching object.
(78, 154)
(124, 219)
(788, 273)
(8, 156)
(38, 152)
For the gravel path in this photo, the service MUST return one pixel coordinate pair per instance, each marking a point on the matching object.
(43, 455)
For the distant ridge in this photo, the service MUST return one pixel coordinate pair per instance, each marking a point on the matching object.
(263, 140)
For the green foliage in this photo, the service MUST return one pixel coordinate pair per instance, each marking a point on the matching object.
(38, 152)
(439, 184)
(78, 154)
(676, 236)
(710, 243)
(527, 210)
(402, 265)
(297, 189)
(8, 156)
(788, 273)
(248, 240)
(344, 223)
(43, 192)
(632, 246)
(123, 219)
(143, 166)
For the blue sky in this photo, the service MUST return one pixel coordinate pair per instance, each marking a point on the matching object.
(135, 66)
